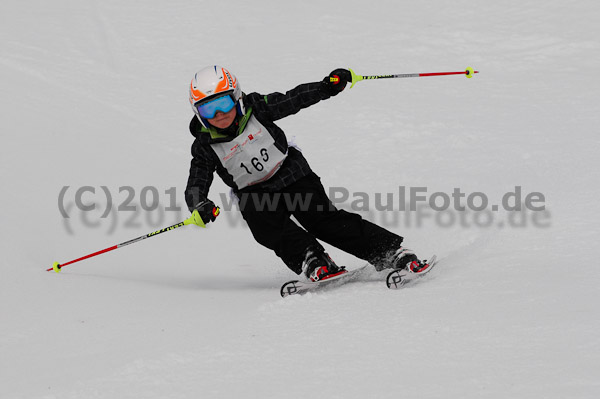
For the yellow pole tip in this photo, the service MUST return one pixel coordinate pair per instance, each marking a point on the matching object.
(469, 72)
(56, 267)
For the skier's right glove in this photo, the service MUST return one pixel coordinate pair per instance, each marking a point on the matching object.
(207, 210)
(336, 81)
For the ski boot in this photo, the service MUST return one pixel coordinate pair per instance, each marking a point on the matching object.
(406, 259)
(318, 266)
(406, 267)
(402, 259)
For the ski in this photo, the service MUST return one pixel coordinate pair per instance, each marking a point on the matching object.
(400, 277)
(395, 279)
(297, 287)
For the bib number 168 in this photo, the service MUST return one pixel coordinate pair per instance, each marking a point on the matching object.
(255, 162)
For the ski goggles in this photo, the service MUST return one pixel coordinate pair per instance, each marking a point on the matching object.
(208, 109)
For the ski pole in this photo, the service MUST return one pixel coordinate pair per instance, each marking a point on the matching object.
(194, 219)
(469, 72)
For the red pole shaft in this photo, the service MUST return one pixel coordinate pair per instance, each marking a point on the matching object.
(87, 256)
(445, 73)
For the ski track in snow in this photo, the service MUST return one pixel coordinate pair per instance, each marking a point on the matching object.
(96, 95)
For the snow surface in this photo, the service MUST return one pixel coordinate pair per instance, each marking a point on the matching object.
(95, 94)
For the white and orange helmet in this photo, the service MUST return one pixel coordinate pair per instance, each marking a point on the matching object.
(214, 81)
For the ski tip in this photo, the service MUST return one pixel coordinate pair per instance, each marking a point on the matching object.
(395, 279)
(289, 288)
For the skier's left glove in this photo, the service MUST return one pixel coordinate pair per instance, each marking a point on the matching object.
(207, 210)
(336, 81)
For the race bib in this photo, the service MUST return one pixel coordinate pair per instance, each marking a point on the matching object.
(252, 157)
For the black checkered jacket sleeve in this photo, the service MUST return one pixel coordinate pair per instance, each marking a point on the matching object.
(202, 169)
(277, 106)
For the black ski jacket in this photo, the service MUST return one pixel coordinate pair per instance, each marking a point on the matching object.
(267, 109)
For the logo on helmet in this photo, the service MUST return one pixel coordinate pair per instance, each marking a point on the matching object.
(230, 82)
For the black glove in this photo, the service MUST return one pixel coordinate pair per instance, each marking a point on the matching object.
(336, 81)
(207, 210)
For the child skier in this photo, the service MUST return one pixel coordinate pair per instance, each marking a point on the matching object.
(235, 135)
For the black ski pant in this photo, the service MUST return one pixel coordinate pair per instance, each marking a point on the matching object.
(268, 215)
